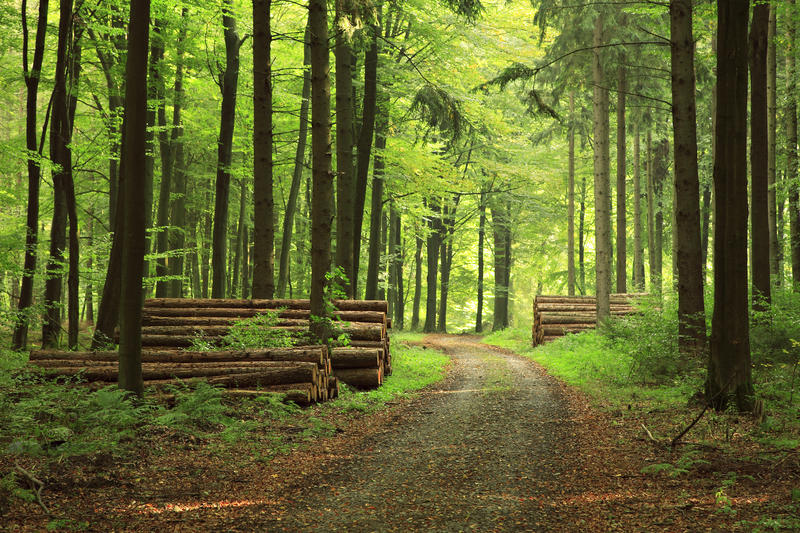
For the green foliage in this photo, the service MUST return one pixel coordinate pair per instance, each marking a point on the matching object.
(199, 408)
(259, 331)
(682, 465)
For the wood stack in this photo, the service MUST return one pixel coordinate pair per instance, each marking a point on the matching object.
(302, 374)
(556, 316)
(173, 323)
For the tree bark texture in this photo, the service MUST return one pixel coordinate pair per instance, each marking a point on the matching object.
(570, 211)
(131, 294)
(759, 158)
(228, 83)
(691, 307)
(32, 76)
(772, 122)
(791, 147)
(166, 186)
(501, 225)
(263, 203)
(381, 130)
(297, 174)
(638, 249)
(322, 192)
(345, 175)
(417, 283)
(60, 132)
(602, 196)
(177, 237)
(729, 372)
(622, 227)
(434, 242)
(481, 239)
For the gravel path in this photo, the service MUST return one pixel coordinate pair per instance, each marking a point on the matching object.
(482, 452)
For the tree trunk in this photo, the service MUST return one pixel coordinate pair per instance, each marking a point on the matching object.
(204, 252)
(759, 158)
(228, 83)
(791, 148)
(365, 144)
(772, 123)
(130, 346)
(446, 252)
(345, 176)
(434, 242)
(651, 213)
(397, 264)
(32, 77)
(659, 177)
(581, 224)
(177, 237)
(60, 133)
(570, 213)
(729, 370)
(501, 231)
(381, 130)
(240, 242)
(622, 229)
(297, 174)
(263, 203)
(163, 232)
(384, 256)
(638, 249)
(602, 196)
(417, 284)
(73, 306)
(691, 308)
(481, 237)
(322, 194)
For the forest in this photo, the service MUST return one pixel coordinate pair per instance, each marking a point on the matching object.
(453, 158)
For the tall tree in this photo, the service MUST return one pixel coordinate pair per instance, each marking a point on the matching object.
(365, 137)
(297, 173)
(622, 228)
(602, 196)
(691, 308)
(157, 87)
(263, 203)
(759, 156)
(322, 194)
(345, 177)
(638, 249)
(130, 339)
(501, 225)
(481, 238)
(570, 209)
(378, 165)
(433, 244)
(228, 84)
(417, 283)
(791, 144)
(772, 123)
(60, 154)
(32, 76)
(729, 372)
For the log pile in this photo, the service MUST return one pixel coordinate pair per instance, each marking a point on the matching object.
(302, 374)
(173, 323)
(556, 316)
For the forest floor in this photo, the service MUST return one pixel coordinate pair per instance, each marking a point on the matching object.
(498, 445)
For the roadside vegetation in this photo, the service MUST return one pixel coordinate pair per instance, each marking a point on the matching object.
(49, 423)
(631, 370)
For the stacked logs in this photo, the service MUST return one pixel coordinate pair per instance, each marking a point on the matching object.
(303, 375)
(556, 316)
(173, 323)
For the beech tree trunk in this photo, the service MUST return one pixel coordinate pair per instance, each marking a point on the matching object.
(791, 148)
(73, 306)
(481, 238)
(772, 122)
(570, 213)
(263, 203)
(365, 136)
(729, 372)
(581, 224)
(162, 214)
(381, 130)
(638, 249)
(32, 77)
(602, 196)
(446, 252)
(177, 238)
(322, 194)
(228, 84)
(345, 177)
(501, 225)
(434, 242)
(417, 284)
(622, 228)
(60, 133)
(759, 158)
(691, 307)
(397, 264)
(130, 345)
(297, 174)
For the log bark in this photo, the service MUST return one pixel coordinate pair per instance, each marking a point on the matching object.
(309, 354)
(356, 358)
(341, 305)
(362, 378)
